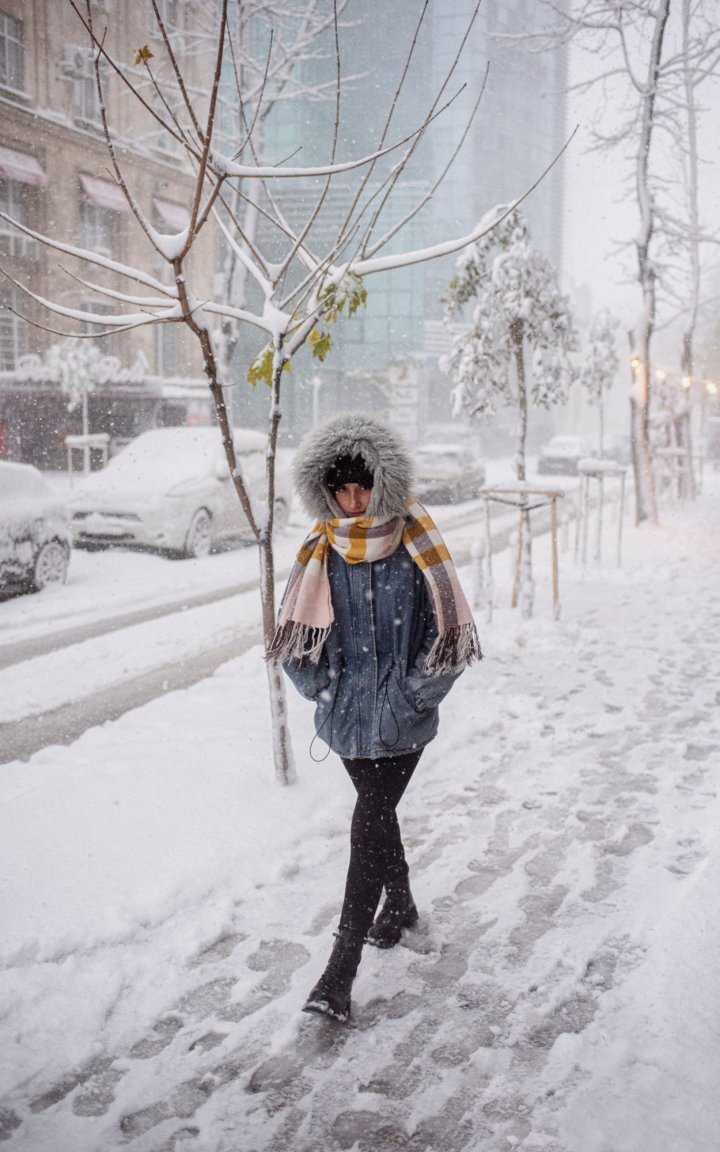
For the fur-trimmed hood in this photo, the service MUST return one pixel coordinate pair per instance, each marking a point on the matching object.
(353, 434)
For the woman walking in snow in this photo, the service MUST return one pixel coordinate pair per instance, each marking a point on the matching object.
(374, 629)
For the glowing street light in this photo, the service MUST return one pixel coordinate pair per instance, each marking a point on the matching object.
(686, 382)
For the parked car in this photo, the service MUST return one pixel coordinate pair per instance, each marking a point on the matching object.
(562, 454)
(446, 473)
(169, 490)
(34, 530)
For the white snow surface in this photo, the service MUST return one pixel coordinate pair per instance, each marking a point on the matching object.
(166, 906)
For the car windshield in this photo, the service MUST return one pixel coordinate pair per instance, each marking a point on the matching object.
(166, 456)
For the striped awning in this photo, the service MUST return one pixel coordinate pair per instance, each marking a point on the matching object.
(176, 217)
(22, 167)
(104, 193)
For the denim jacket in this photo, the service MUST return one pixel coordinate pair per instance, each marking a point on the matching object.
(371, 696)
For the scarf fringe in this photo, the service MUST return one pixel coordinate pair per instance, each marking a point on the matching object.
(296, 642)
(453, 650)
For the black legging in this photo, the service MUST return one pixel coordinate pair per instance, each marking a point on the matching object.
(376, 850)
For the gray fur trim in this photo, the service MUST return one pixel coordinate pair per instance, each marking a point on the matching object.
(353, 433)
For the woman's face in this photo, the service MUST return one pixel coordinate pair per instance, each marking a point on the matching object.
(353, 499)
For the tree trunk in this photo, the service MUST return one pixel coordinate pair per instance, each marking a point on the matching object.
(86, 431)
(517, 337)
(524, 578)
(282, 745)
(683, 429)
(527, 584)
(645, 497)
(263, 531)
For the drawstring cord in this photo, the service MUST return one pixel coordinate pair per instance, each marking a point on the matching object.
(331, 717)
(386, 700)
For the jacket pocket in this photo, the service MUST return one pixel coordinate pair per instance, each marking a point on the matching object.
(409, 691)
(399, 712)
(429, 691)
(325, 700)
(324, 688)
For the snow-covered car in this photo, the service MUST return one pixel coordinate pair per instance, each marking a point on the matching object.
(170, 490)
(447, 473)
(561, 455)
(34, 530)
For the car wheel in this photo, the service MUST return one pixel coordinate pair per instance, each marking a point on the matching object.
(281, 515)
(199, 538)
(51, 565)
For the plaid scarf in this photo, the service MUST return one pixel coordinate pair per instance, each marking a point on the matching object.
(306, 613)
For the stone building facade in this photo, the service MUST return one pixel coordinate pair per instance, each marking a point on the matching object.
(56, 178)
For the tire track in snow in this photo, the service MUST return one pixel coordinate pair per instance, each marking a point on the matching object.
(64, 725)
(21, 739)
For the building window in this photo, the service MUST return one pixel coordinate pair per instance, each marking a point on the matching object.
(102, 205)
(21, 178)
(13, 330)
(97, 228)
(86, 101)
(11, 53)
(13, 201)
(106, 343)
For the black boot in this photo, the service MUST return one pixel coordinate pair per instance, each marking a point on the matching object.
(398, 912)
(331, 994)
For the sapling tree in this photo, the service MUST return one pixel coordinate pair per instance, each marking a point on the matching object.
(256, 88)
(516, 349)
(600, 366)
(300, 293)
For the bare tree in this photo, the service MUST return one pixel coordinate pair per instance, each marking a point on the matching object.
(302, 293)
(698, 55)
(647, 71)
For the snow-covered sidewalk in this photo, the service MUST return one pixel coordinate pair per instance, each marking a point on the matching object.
(166, 906)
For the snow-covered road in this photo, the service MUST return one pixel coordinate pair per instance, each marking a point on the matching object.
(166, 906)
(189, 620)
